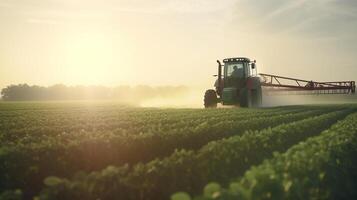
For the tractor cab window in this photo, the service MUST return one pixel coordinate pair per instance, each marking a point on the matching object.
(235, 70)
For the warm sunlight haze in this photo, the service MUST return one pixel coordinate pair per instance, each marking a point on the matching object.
(178, 99)
(89, 42)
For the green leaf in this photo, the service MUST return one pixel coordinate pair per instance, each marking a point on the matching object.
(212, 190)
(180, 196)
(52, 181)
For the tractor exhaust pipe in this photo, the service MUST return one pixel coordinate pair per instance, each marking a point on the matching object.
(219, 77)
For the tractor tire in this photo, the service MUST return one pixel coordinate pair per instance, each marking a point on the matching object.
(210, 99)
(257, 98)
(245, 98)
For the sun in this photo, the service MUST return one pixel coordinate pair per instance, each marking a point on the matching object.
(90, 58)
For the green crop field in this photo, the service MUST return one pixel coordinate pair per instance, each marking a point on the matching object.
(105, 151)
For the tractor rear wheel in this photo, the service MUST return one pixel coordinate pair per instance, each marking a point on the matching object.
(210, 99)
(245, 98)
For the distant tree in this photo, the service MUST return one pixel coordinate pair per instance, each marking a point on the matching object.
(18, 92)
(24, 92)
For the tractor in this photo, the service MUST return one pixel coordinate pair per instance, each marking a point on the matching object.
(239, 85)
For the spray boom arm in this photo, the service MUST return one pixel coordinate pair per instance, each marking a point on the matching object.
(281, 83)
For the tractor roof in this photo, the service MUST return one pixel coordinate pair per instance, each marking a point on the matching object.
(238, 59)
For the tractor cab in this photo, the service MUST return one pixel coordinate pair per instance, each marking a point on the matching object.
(238, 85)
(236, 71)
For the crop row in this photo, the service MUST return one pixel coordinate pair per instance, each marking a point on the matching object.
(323, 167)
(27, 127)
(188, 170)
(43, 159)
(30, 141)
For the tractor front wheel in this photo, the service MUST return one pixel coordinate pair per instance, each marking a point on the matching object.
(210, 99)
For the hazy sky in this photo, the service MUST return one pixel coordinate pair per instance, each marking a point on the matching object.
(171, 42)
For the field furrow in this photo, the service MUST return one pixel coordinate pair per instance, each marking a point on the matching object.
(94, 153)
(72, 125)
(323, 167)
(189, 170)
(98, 150)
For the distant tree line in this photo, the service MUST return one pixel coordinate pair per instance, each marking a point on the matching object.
(25, 92)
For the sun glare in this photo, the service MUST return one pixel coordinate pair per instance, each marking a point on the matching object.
(89, 58)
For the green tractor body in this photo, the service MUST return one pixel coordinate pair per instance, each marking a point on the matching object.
(238, 85)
